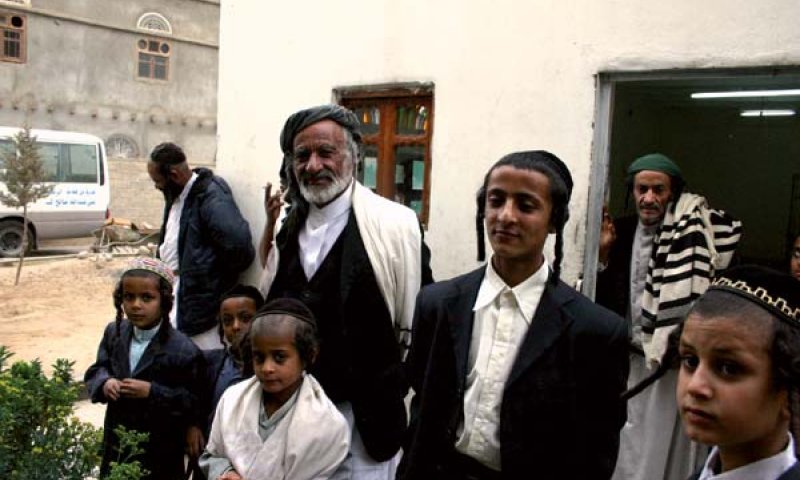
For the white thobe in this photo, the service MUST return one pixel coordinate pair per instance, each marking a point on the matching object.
(653, 443)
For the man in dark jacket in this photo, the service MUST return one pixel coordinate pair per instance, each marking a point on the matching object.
(515, 374)
(204, 239)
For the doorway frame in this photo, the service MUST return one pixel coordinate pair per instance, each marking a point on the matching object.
(605, 86)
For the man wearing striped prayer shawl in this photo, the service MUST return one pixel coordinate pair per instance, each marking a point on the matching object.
(652, 267)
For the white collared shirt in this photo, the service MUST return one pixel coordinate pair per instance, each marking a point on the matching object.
(502, 317)
(168, 252)
(323, 226)
(139, 342)
(769, 468)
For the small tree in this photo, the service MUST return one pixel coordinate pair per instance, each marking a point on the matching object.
(24, 176)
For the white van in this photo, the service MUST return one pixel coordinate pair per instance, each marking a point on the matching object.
(76, 164)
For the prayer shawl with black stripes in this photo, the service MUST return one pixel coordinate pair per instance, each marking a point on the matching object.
(693, 243)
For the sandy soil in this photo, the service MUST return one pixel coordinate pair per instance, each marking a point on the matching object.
(58, 310)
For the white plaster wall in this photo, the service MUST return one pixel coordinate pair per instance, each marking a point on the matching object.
(508, 75)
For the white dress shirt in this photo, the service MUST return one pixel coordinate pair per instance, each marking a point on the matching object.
(502, 317)
(769, 468)
(168, 251)
(323, 226)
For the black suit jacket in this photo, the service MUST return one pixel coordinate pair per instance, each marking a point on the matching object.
(560, 414)
(174, 367)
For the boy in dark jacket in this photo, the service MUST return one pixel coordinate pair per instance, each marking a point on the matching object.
(149, 374)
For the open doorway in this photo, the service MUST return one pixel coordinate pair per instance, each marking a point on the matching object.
(740, 150)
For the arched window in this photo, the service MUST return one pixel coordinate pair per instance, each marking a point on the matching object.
(153, 54)
(12, 37)
(154, 22)
(121, 146)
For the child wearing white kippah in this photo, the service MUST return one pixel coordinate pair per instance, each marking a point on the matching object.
(147, 372)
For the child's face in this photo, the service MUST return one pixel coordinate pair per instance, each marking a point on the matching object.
(236, 314)
(277, 363)
(141, 301)
(726, 394)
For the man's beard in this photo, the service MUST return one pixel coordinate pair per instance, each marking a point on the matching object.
(324, 195)
(171, 191)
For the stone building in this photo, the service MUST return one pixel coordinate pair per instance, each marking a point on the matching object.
(135, 73)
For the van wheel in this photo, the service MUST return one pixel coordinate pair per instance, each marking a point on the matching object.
(11, 239)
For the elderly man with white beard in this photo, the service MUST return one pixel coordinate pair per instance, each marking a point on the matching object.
(356, 260)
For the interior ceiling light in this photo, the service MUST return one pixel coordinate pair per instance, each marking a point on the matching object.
(767, 113)
(747, 93)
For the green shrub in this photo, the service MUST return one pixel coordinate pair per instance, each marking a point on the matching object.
(39, 436)
(41, 439)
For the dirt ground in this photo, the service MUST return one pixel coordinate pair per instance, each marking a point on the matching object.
(58, 310)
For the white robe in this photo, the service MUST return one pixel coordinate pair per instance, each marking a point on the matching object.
(310, 442)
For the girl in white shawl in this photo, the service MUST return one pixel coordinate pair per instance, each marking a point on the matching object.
(279, 424)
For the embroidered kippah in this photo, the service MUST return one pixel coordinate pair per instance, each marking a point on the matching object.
(777, 292)
(153, 265)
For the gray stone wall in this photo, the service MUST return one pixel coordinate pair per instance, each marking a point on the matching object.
(194, 19)
(80, 74)
(132, 193)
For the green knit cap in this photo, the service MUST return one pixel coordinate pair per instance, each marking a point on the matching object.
(655, 161)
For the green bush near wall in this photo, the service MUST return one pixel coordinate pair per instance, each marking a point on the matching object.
(40, 438)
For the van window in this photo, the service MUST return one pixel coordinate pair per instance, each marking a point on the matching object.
(5, 147)
(48, 152)
(80, 163)
(69, 163)
(65, 162)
